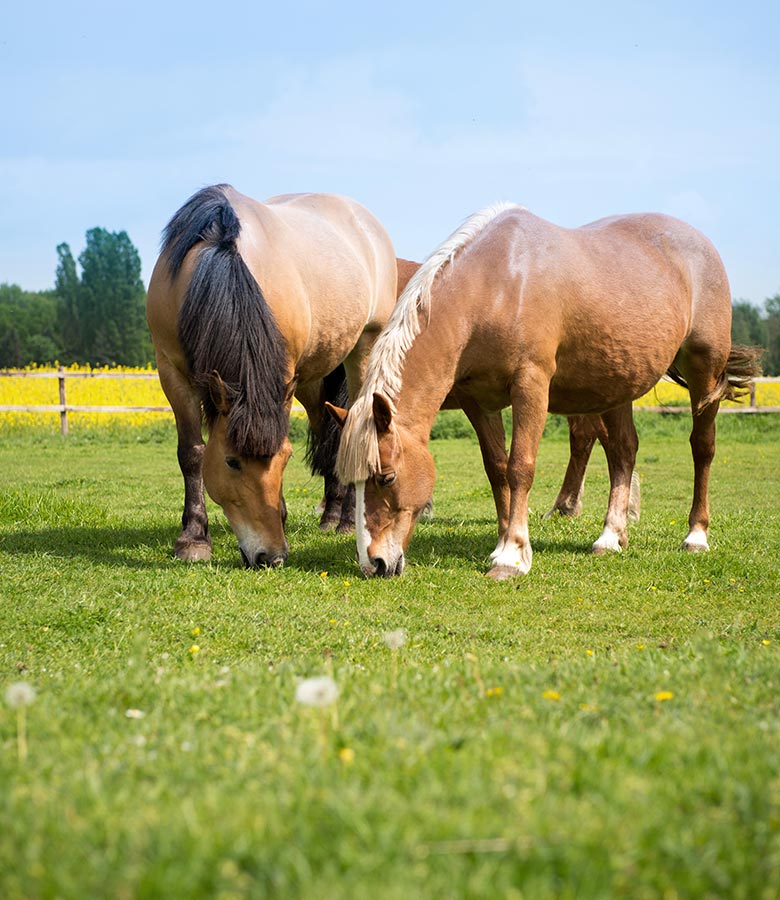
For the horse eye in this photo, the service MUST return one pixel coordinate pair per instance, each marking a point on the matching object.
(385, 480)
(233, 463)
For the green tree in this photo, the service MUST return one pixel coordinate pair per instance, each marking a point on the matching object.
(102, 312)
(748, 328)
(29, 327)
(772, 307)
(67, 287)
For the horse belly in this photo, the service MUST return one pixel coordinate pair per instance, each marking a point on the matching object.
(603, 384)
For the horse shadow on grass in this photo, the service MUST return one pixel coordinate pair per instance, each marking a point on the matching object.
(126, 547)
(443, 542)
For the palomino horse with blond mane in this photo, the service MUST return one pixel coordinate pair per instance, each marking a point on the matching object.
(250, 304)
(512, 310)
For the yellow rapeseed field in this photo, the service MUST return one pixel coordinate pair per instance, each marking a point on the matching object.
(144, 390)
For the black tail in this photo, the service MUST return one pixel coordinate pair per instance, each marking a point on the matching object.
(226, 327)
(322, 445)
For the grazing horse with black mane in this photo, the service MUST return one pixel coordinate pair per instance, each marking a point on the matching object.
(249, 305)
(512, 310)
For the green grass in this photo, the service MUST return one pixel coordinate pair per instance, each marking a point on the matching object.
(514, 747)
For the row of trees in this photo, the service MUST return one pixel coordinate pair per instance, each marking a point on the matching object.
(95, 314)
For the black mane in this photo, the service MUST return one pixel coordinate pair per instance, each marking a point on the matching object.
(226, 327)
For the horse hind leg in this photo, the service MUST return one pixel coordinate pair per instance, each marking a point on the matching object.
(583, 431)
(708, 382)
(621, 451)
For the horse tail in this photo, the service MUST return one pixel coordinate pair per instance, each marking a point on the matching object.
(226, 328)
(736, 379)
(322, 444)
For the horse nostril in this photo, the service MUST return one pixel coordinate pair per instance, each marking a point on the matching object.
(380, 566)
(273, 561)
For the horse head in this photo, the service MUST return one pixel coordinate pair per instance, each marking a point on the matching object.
(247, 487)
(389, 502)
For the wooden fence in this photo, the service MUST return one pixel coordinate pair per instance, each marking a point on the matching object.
(63, 407)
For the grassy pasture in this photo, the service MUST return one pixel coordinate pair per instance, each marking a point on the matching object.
(602, 727)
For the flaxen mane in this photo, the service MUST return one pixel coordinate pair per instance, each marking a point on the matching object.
(358, 456)
(226, 327)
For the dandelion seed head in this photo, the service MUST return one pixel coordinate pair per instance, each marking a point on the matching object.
(134, 713)
(394, 640)
(320, 691)
(19, 693)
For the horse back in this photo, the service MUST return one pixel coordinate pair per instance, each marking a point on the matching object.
(604, 309)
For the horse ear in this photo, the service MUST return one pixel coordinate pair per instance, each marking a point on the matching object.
(383, 414)
(338, 414)
(219, 393)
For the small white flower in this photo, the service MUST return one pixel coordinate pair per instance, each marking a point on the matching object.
(394, 640)
(134, 713)
(321, 691)
(19, 694)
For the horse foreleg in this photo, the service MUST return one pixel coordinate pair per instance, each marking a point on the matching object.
(489, 427)
(338, 503)
(513, 553)
(194, 542)
(621, 456)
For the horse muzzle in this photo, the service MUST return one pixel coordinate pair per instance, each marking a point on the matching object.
(263, 560)
(381, 568)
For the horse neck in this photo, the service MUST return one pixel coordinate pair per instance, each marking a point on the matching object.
(428, 376)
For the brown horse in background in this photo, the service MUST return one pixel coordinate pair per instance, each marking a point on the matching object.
(249, 305)
(514, 311)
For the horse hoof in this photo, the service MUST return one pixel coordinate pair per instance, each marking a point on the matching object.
(695, 546)
(504, 573)
(568, 512)
(345, 528)
(329, 523)
(198, 551)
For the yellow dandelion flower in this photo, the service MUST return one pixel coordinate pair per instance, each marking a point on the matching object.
(194, 649)
(347, 755)
(551, 695)
(640, 646)
(494, 692)
(589, 652)
(346, 583)
(766, 643)
(662, 696)
(323, 574)
(588, 707)
(195, 631)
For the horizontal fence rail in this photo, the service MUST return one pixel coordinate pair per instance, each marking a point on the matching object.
(63, 407)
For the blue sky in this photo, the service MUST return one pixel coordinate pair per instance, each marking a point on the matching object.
(113, 116)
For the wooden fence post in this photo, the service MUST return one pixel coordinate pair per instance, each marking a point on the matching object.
(64, 410)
